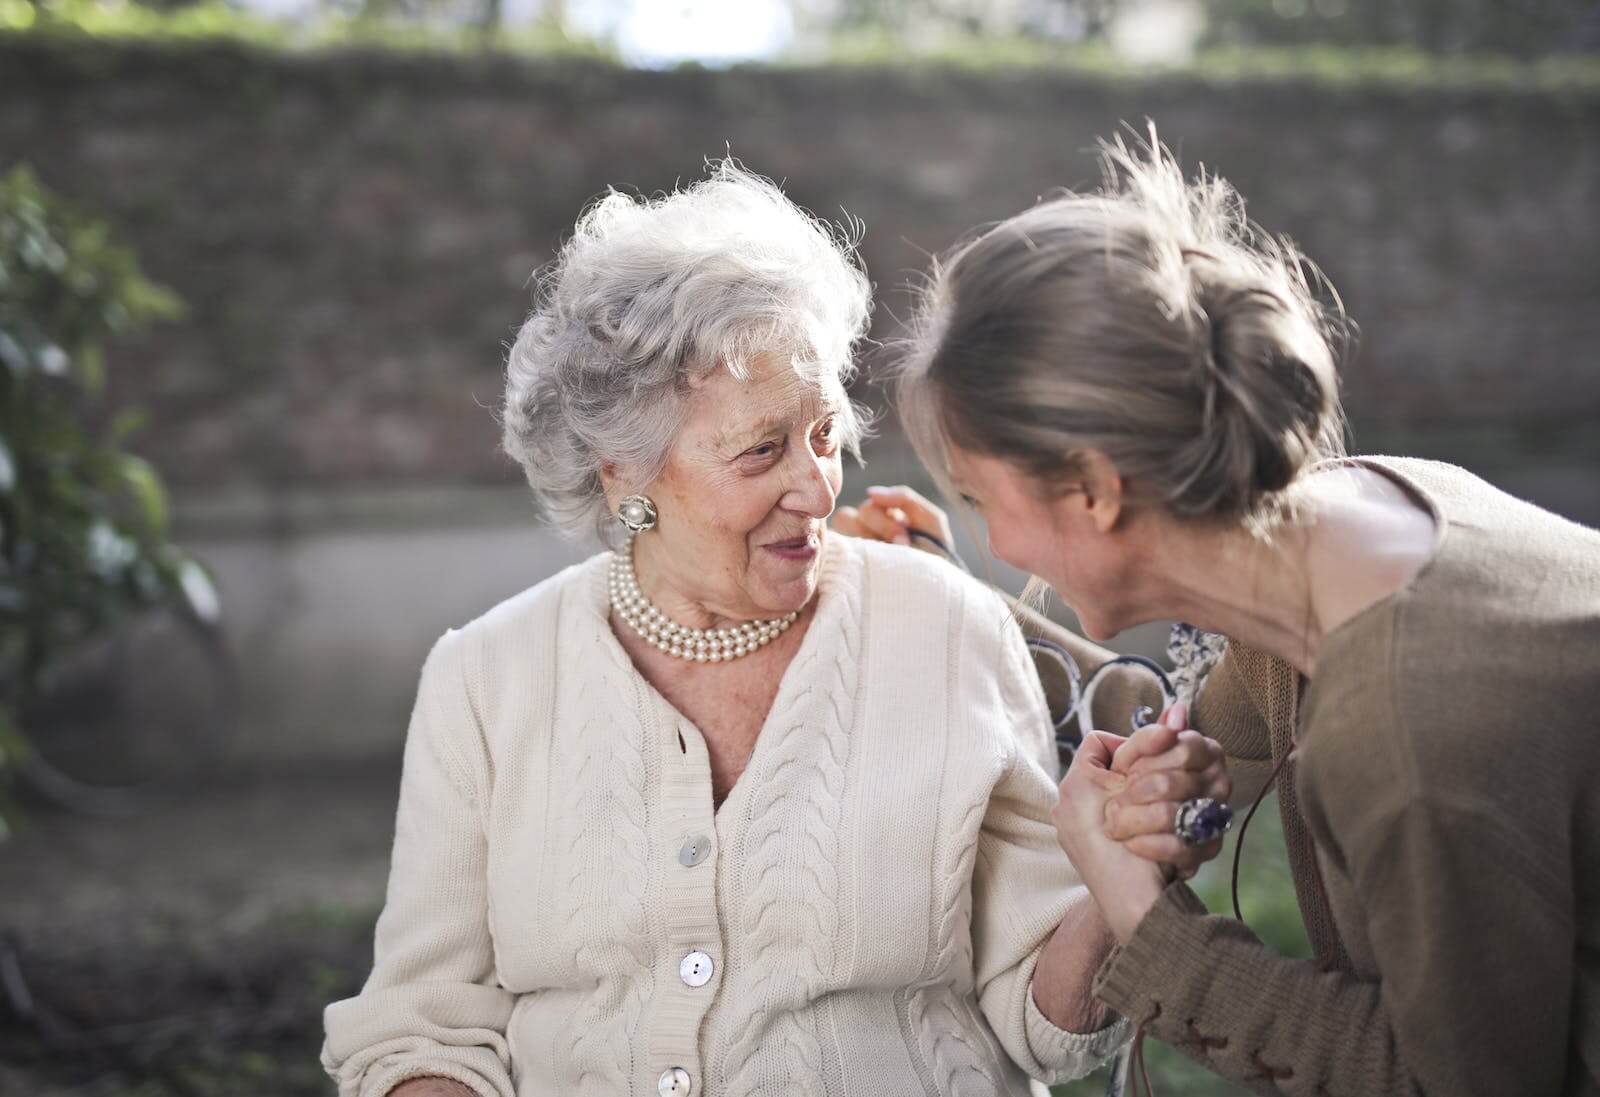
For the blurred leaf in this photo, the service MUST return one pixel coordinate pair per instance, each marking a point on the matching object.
(12, 354)
(125, 422)
(200, 591)
(8, 467)
(145, 485)
(91, 363)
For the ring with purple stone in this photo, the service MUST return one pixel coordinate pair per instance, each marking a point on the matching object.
(1201, 822)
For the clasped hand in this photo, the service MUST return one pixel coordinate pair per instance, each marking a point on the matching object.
(1118, 803)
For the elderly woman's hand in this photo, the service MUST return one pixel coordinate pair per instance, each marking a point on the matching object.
(1163, 765)
(1124, 885)
(890, 514)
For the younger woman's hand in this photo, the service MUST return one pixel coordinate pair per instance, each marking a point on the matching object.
(1165, 764)
(890, 514)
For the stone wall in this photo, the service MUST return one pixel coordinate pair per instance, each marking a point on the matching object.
(354, 232)
(354, 235)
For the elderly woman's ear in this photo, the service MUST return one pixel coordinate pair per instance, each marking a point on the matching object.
(611, 484)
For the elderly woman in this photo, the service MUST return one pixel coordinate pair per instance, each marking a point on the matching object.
(1140, 398)
(739, 807)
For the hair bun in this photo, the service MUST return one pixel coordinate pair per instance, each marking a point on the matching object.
(1268, 391)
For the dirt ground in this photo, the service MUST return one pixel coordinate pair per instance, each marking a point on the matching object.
(190, 950)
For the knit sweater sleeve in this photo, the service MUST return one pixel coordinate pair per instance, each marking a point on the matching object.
(432, 1005)
(1227, 711)
(1022, 884)
(1208, 986)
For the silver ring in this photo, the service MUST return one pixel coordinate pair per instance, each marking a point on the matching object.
(1201, 822)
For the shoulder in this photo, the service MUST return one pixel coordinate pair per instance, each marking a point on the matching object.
(537, 607)
(931, 601)
(522, 630)
(504, 661)
(950, 630)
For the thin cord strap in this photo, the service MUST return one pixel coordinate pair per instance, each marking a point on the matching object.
(947, 551)
(1238, 845)
(1138, 1071)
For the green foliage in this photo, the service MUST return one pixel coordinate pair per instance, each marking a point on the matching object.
(1337, 66)
(376, 23)
(83, 523)
(1523, 28)
(868, 34)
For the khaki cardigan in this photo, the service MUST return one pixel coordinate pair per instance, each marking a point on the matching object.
(1443, 819)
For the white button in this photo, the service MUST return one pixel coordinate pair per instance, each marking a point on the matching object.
(675, 1082)
(695, 969)
(696, 848)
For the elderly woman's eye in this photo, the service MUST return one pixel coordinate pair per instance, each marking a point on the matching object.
(828, 435)
(970, 501)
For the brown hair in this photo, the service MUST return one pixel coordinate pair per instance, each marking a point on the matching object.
(1149, 320)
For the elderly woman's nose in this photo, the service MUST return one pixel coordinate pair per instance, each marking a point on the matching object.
(811, 489)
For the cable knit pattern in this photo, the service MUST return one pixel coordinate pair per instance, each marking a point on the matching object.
(605, 808)
(788, 932)
(961, 1065)
(861, 915)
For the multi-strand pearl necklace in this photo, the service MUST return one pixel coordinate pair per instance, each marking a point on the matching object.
(709, 645)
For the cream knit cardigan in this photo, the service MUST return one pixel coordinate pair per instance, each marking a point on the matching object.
(879, 884)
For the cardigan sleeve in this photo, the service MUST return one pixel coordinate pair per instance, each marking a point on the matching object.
(1022, 883)
(432, 1004)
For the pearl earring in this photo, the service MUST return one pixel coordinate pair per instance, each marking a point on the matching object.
(637, 512)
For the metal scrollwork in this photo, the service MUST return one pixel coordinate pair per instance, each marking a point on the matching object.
(1078, 719)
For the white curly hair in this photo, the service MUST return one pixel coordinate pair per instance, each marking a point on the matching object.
(649, 296)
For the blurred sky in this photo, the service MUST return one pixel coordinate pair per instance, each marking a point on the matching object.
(660, 33)
(665, 32)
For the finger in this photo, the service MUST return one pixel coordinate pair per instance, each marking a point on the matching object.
(880, 526)
(1168, 786)
(1168, 849)
(1107, 780)
(1188, 863)
(1149, 741)
(1188, 750)
(1126, 821)
(847, 522)
(1147, 786)
(1097, 749)
(923, 514)
(1219, 786)
(1177, 716)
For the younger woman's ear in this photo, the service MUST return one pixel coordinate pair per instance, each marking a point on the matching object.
(1102, 489)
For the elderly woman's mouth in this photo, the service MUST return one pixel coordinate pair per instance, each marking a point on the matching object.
(804, 547)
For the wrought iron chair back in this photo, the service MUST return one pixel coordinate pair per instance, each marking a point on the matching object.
(1070, 728)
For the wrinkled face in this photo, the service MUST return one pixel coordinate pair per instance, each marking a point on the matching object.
(746, 493)
(1062, 535)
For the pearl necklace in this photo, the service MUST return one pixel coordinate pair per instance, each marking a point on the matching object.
(710, 645)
